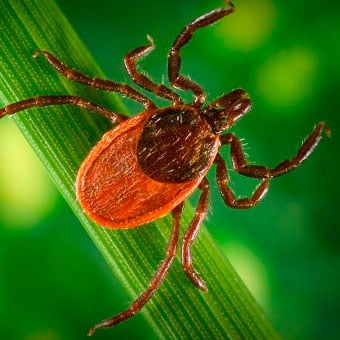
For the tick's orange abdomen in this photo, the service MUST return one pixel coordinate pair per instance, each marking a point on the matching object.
(114, 191)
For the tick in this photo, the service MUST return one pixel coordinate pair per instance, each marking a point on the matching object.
(148, 165)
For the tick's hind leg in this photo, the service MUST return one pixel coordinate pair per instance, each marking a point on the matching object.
(191, 234)
(61, 100)
(155, 282)
(174, 56)
(143, 81)
(241, 165)
(97, 83)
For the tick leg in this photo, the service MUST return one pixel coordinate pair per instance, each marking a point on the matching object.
(96, 83)
(191, 234)
(227, 193)
(241, 165)
(156, 281)
(61, 100)
(143, 81)
(174, 56)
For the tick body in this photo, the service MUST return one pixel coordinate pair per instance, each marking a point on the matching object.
(148, 165)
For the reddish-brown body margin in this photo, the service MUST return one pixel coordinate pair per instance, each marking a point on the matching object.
(114, 191)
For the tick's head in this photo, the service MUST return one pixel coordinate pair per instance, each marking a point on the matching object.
(223, 112)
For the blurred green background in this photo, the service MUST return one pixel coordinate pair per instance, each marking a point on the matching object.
(54, 283)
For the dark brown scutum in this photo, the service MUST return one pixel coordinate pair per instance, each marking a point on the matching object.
(176, 145)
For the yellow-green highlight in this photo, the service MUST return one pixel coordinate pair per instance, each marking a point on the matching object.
(288, 77)
(249, 29)
(26, 193)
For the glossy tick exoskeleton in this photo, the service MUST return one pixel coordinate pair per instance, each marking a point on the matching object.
(148, 165)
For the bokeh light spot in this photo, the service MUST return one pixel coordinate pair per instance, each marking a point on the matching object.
(288, 77)
(251, 270)
(26, 193)
(249, 27)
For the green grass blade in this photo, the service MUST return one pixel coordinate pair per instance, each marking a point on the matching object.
(62, 136)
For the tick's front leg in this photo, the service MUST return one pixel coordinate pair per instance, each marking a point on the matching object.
(241, 165)
(174, 57)
(141, 79)
(227, 193)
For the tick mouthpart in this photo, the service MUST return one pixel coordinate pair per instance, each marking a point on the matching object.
(222, 113)
(237, 98)
(242, 105)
